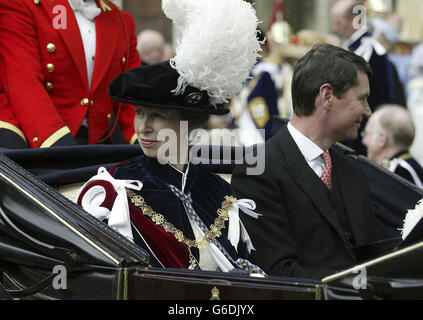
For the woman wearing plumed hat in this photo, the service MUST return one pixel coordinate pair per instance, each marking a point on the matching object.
(185, 216)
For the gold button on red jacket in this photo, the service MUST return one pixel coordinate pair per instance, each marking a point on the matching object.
(26, 31)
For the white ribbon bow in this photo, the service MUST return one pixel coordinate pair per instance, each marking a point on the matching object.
(118, 218)
(236, 227)
(368, 44)
(88, 9)
(412, 218)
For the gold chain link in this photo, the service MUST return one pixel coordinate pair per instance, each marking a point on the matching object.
(209, 237)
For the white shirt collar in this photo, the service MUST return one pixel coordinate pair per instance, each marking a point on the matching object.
(87, 8)
(308, 148)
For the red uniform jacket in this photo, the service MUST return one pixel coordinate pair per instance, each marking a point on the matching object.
(44, 72)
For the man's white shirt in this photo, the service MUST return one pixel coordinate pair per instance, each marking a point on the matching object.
(311, 152)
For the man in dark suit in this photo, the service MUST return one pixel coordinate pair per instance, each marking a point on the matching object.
(315, 203)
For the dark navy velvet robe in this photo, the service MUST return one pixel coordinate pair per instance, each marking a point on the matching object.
(207, 190)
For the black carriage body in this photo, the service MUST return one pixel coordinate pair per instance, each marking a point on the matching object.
(40, 229)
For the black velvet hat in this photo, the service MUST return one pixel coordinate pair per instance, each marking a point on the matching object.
(152, 86)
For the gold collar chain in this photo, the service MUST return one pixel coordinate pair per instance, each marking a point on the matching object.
(209, 237)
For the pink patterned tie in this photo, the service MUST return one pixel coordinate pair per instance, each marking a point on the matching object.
(326, 174)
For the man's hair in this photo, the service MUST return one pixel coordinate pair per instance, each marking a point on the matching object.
(397, 123)
(325, 63)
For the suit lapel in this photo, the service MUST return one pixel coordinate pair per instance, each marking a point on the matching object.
(347, 189)
(307, 180)
(70, 35)
(107, 25)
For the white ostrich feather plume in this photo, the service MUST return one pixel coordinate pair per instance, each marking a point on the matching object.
(412, 218)
(218, 45)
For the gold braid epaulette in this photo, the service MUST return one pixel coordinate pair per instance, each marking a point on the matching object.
(118, 6)
(209, 237)
(105, 7)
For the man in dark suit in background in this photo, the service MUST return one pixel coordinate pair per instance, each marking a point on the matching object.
(361, 41)
(315, 203)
